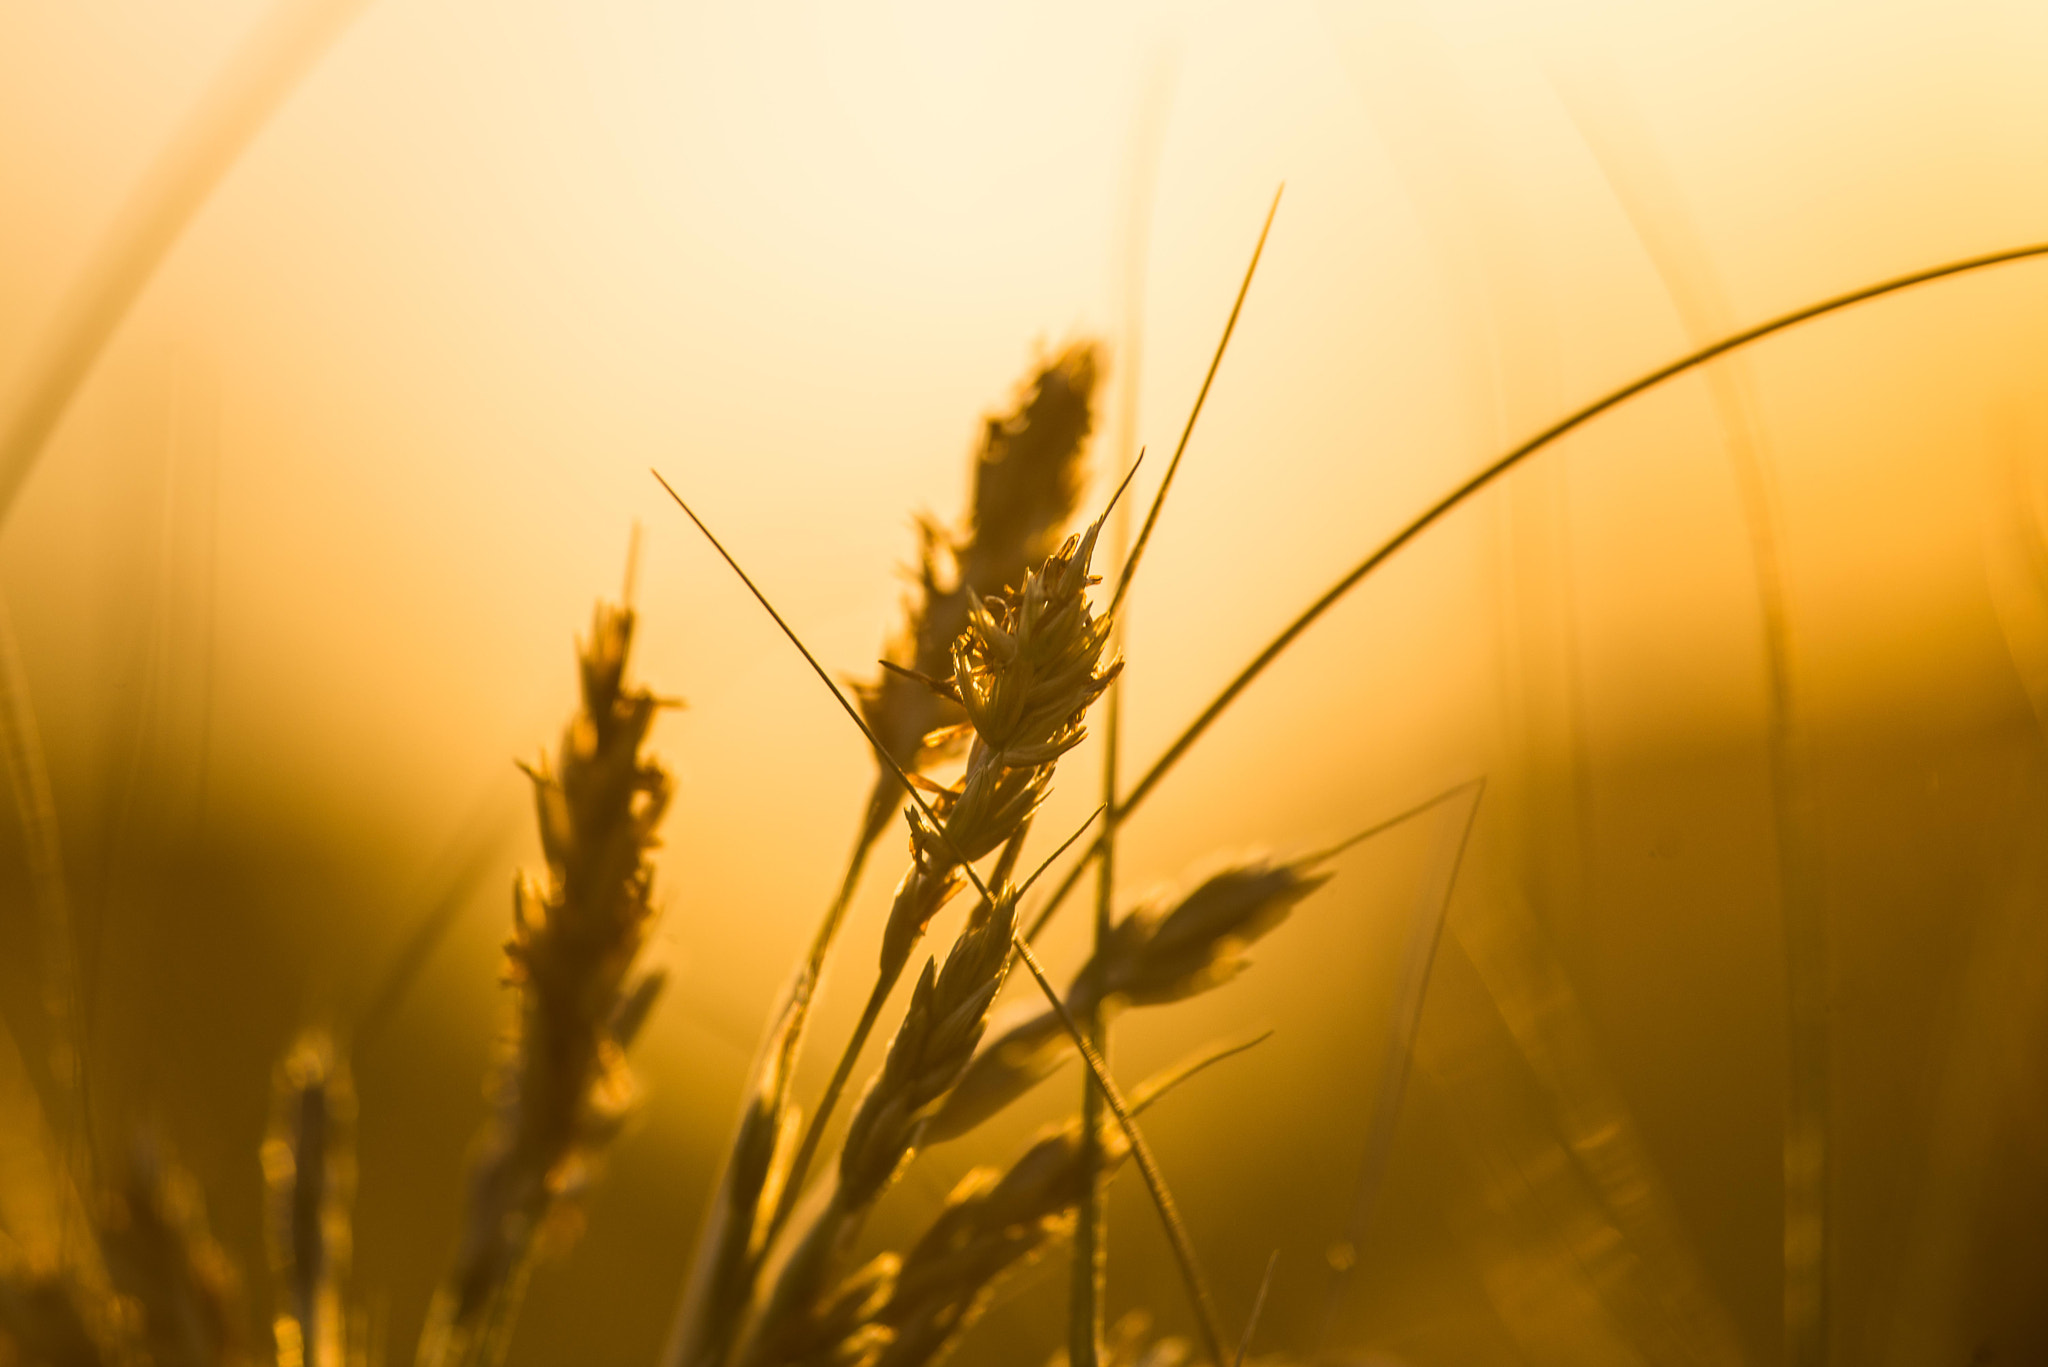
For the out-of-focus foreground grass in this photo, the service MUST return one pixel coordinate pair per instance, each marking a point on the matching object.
(296, 577)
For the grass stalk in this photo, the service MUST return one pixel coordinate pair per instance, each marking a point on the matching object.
(1203, 1303)
(1090, 1271)
(1155, 955)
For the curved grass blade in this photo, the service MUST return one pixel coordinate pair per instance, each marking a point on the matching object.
(1477, 482)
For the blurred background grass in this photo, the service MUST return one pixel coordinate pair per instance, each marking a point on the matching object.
(298, 575)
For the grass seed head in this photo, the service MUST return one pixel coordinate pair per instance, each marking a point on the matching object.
(309, 1183)
(1200, 942)
(1028, 476)
(563, 1087)
(991, 1225)
(1026, 674)
(947, 1017)
(1150, 957)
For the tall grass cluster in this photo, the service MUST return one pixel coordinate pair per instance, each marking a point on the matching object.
(1005, 659)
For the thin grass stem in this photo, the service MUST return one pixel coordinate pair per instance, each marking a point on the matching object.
(1130, 569)
(1065, 845)
(1386, 824)
(814, 1130)
(1148, 1166)
(1251, 1323)
(1155, 1088)
(1411, 991)
(1090, 1271)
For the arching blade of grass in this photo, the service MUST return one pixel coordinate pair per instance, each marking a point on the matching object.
(1479, 481)
(1655, 208)
(1141, 1152)
(268, 67)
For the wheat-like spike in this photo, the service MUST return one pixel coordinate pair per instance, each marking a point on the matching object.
(181, 1297)
(563, 1087)
(309, 1182)
(1152, 956)
(1027, 483)
(994, 1222)
(1026, 675)
(948, 1012)
(845, 1329)
(990, 1226)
